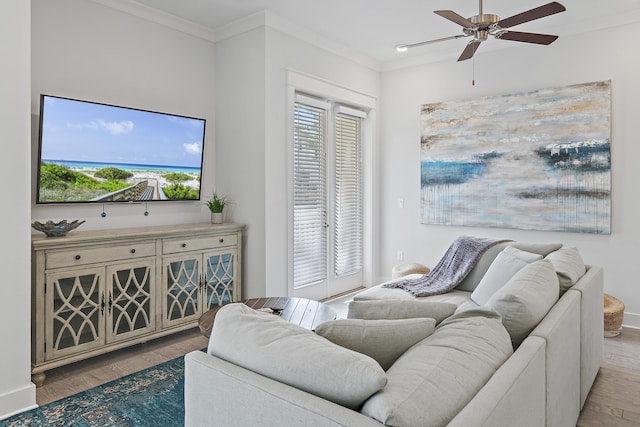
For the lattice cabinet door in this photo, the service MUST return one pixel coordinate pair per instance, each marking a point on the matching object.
(131, 300)
(220, 278)
(182, 284)
(74, 309)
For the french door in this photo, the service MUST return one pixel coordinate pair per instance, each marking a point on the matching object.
(327, 198)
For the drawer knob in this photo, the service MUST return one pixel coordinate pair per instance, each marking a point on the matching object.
(133, 251)
(221, 240)
(77, 257)
(184, 245)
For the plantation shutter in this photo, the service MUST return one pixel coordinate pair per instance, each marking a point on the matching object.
(348, 241)
(309, 191)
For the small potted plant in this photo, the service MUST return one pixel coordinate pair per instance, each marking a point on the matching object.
(216, 204)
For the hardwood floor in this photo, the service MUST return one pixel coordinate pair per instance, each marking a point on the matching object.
(76, 377)
(613, 401)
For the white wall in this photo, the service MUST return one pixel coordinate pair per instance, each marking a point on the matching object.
(240, 166)
(251, 75)
(81, 49)
(595, 56)
(16, 390)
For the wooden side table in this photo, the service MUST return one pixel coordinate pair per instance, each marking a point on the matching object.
(300, 311)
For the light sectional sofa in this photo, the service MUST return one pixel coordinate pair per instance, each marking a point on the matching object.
(479, 366)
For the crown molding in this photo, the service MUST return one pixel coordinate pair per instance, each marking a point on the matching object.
(147, 13)
(260, 19)
(241, 26)
(285, 26)
(266, 18)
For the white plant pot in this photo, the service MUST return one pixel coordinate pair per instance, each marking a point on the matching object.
(216, 217)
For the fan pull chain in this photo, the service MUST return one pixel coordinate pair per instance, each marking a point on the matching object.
(473, 70)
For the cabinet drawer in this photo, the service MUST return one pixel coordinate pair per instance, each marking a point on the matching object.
(83, 256)
(170, 246)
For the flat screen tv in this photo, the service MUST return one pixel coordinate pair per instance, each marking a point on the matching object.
(98, 153)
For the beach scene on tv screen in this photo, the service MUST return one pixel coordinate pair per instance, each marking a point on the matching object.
(101, 153)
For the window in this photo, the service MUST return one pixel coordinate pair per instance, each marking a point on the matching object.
(309, 194)
(348, 194)
(327, 196)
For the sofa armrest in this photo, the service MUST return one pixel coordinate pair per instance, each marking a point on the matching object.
(515, 394)
(591, 288)
(217, 392)
(560, 328)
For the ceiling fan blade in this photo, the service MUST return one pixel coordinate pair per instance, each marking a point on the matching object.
(468, 51)
(403, 47)
(536, 38)
(530, 15)
(454, 17)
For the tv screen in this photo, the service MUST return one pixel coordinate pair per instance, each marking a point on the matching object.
(92, 152)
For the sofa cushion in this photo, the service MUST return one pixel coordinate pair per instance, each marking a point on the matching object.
(400, 309)
(275, 348)
(507, 263)
(433, 380)
(543, 249)
(476, 274)
(526, 298)
(383, 340)
(569, 267)
(378, 292)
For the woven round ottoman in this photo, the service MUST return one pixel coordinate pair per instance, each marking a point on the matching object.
(406, 268)
(613, 313)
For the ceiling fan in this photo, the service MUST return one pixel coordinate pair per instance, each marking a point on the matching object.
(481, 26)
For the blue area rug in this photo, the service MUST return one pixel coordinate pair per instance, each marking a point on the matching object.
(152, 397)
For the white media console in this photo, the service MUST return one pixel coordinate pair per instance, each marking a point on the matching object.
(98, 291)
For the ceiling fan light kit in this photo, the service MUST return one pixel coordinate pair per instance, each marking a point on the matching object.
(482, 25)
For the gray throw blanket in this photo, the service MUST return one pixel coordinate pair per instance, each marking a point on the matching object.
(460, 258)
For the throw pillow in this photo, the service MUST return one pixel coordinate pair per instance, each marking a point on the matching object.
(383, 340)
(485, 312)
(470, 282)
(433, 380)
(507, 263)
(400, 309)
(476, 274)
(526, 298)
(275, 348)
(569, 267)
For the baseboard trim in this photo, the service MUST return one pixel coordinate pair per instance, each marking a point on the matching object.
(342, 294)
(631, 320)
(16, 401)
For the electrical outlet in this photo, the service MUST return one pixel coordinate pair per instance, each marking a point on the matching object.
(400, 255)
(401, 203)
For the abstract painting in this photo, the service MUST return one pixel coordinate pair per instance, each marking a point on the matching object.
(537, 160)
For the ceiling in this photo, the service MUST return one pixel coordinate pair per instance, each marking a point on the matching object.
(374, 27)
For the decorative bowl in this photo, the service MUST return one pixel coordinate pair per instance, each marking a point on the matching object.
(56, 229)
